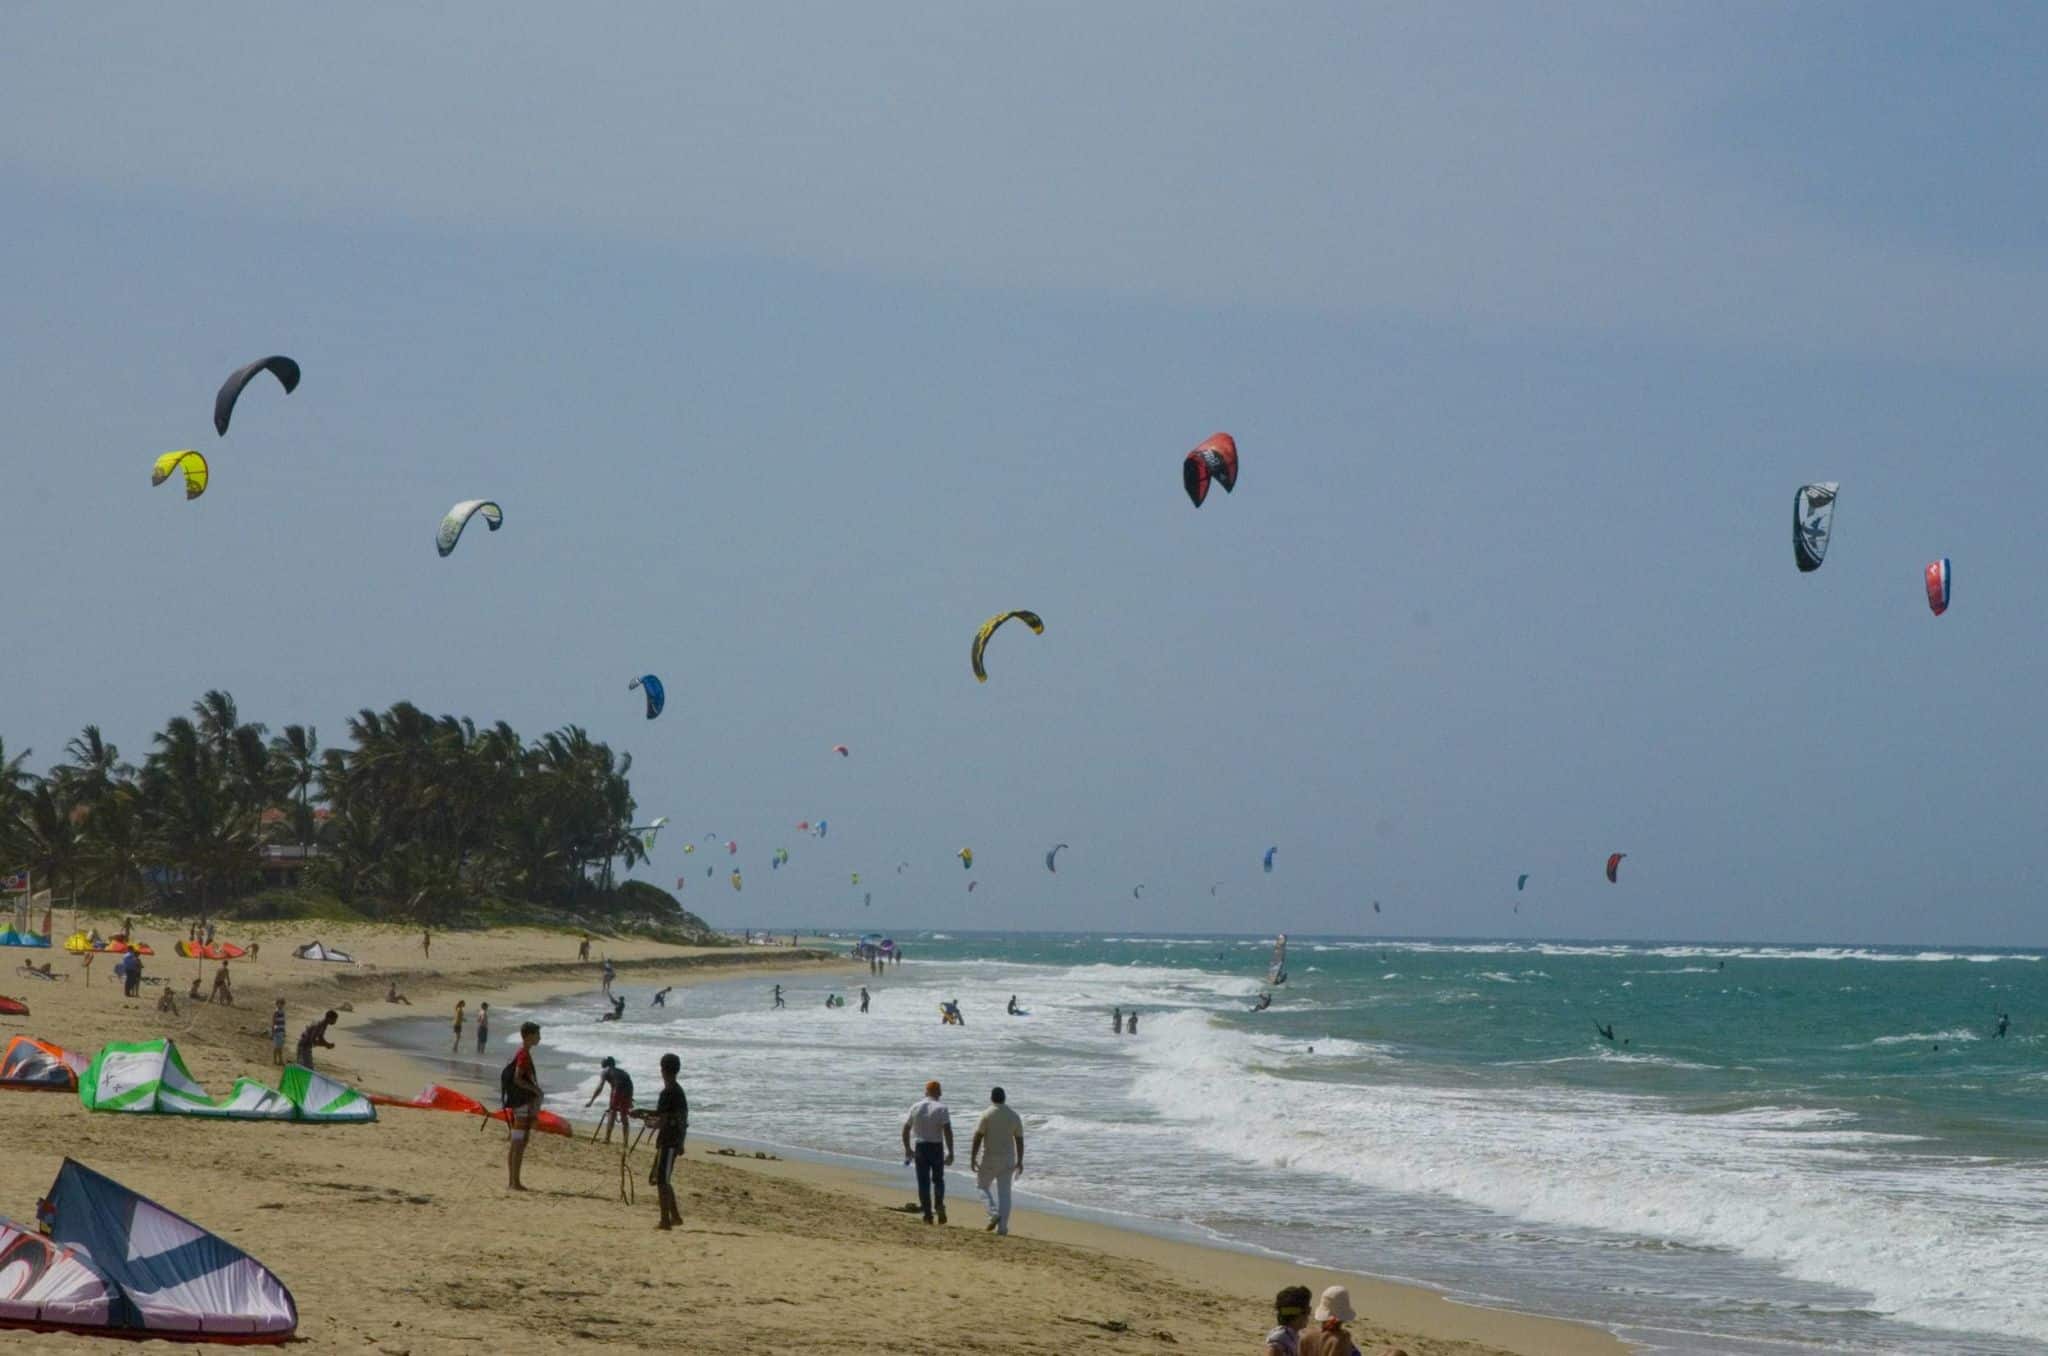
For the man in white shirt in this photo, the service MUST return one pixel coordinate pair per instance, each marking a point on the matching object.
(997, 1156)
(931, 1125)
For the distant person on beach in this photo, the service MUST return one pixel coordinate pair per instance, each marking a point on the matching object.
(661, 998)
(996, 1157)
(1131, 1023)
(610, 973)
(2004, 1021)
(583, 949)
(277, 1033)
(610, 1075)
(316, 1036)
(928, 1143)
(223, 992)
(168, 1002)
(524, 1098)
(1116, 1020)
(426, 943)
(392, 995)
(778, 997)
(671, 1119)
(192, 993)
(863, 998)
(1290, 1316)
(461, 1018)
(1328, 1337)
(483, 1026)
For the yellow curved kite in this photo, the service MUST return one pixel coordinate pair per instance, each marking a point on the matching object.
(193, 464)
(988, 628)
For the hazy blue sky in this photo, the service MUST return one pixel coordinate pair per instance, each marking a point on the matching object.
(796, 340)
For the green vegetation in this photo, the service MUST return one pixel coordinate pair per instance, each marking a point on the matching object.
(422, 819)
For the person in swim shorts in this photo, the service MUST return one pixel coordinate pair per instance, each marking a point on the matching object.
(526, 1098)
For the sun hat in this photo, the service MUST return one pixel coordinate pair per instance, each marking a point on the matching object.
(1335, 1303)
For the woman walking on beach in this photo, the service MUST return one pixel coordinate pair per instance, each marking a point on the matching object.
(456, 1048)
(524, 1101)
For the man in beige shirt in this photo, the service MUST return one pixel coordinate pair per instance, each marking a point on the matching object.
(997, 1156)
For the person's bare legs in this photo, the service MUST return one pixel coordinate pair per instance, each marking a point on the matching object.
(515, 1151)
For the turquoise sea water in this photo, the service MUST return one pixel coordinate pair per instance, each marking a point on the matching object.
(1786, 1147)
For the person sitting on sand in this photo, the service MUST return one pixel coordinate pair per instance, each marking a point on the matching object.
(610, 1075)
(316, 1035)
(661, 998)
(461, 1016)
(671, 1119)
(1328, 1337)
(525, 1103)
(167, 1002)
(193, 993)
(392, 995)
(1290, 1316)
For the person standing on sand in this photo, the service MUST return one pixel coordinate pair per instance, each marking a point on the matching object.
(315, 1035)
(996, 1157)
(460, 1004)
(427, 943)
(483, 1026)
(526, 1099)
(1290, 1316)
(932, 1125)
(610, 1075)
(583, 951)
(671, 1117)
(277, 1034)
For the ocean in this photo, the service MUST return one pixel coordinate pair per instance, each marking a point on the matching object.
(1784, 1147)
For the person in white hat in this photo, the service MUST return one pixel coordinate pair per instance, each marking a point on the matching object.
(1326, 1335)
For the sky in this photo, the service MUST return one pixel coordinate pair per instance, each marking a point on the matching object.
(796, 340)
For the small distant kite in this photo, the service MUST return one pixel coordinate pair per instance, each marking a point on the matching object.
(656, 696)
(458, 518)
(821, 828)
(1521, 881)
(1938, 585)
(867, 900)
(1813, 523)
(1214, 459)
(187, 460)
(1614, 865)
(966, 856)
(284, 369)
(856, 878)
(900, 867)
(735, 880)
(1375, 906)
(1049, 863)
(988, 628)
(841, 750)
(1269, 859)
(970, 886)
(1137, 892)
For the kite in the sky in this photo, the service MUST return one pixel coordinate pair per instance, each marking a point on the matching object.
(735, 879)
(1137, 891)
(841, 750)
(656, 697)
(732, 847)
(1215, 459)
(1269, 859)
(1938, 585)
(966, 856)
(1049, 863)
(458, 518)
(1521, 881)
(1614, 865)
(1813, 523)
(970, 886)
(648, 831)
(1375, 906)
(284, 369)
(988, 628)
(187, 460)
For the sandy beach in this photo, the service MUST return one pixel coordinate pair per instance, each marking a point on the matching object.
(401, 1237)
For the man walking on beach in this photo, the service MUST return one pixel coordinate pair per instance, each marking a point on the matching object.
(930, 1124)
(314, 1035)
(524, 1103)
(996, 1157)
(483, 1026)
(671, 1117)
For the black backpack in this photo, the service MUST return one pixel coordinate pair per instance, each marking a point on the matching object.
(509, 1091)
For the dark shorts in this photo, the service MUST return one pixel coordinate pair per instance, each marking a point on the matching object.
(664, 1164)
(621, 1103)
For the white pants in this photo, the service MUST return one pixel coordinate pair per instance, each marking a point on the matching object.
(995, 1194)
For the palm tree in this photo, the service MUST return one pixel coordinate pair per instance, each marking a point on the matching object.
(296, 752)
(94, 770)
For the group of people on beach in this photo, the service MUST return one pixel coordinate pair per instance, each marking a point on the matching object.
(483, 1025)
(669, 1118)
(1307, 1325)
(995, 1156)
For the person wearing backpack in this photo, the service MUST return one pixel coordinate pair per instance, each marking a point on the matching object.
(521, 1088)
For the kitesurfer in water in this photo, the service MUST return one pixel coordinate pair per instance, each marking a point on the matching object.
(1265, 1001)
(863, 998)
(2004, 1021)
(1606, 1032)
(1012, 1008)
(618, 1010)
(660, 998)
(949, 1013)
(778, 997)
